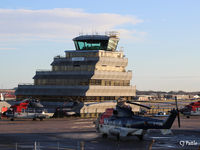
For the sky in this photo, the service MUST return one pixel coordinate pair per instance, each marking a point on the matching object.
(161, 39)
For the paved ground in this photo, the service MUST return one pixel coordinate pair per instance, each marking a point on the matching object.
(71, 133)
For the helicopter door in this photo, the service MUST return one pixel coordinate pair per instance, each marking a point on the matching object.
(23, 113)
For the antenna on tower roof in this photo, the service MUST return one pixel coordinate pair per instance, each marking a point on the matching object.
(80, 33)
(121, 49)
(112, 34)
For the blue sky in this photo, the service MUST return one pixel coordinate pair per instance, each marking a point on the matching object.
(160, 38)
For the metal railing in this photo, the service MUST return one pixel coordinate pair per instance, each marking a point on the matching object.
(41, 145)
(43, 70)
(26, 84)
(59, 56)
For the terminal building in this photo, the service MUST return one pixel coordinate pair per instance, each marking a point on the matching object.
(95, 71)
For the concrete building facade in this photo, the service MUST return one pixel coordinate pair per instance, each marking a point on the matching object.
(95, 71)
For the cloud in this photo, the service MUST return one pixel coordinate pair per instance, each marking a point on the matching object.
(61, 23)
(7, 48)
(132, 35)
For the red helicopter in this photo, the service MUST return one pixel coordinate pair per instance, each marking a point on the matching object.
(122, 121)
(193, 109)
(27, 108)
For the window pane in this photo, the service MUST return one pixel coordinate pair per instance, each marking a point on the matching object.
(81, 45)
(92, 45)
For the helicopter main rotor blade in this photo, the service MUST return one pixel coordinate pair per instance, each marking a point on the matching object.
(113, 101)
(138, 104)
(179, 123)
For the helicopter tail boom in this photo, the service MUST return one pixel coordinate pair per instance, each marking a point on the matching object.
(170, 120)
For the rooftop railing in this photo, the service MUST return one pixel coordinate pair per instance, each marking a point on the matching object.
(43, 70)
(25, 84)
(59, 56)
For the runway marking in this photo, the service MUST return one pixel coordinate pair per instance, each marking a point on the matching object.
(82, 123)
(94, 141)
(86, 126)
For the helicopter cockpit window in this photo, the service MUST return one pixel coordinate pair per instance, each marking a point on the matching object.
(39, 110)
(30, 110)
(9, 112)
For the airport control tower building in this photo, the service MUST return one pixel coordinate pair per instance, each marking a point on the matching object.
(95, 71)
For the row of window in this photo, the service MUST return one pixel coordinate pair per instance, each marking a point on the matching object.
(74, 68)
(79, 98)
(81, 54)
(91, 45)
(95, 54)
(77, 67)
(81, 82)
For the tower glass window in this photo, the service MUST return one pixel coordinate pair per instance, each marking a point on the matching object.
(91, 45)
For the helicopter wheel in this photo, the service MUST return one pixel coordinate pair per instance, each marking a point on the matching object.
(188, 116)
(104, 135)
(77, 114)
(34, 119)
(140, 137)
(41, 119)
(12, 119)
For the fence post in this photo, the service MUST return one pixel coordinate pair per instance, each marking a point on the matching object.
(58, 146)
(35, 146)
(78, 146)
(82, 145)
(16, 146)
(151, 144)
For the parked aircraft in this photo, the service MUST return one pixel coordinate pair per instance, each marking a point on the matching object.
(27, 108)
(122, 121)
(193, 109)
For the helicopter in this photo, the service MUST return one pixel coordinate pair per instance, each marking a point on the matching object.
(69, 108)
(193, 109)
(122, 121)
(27, 108)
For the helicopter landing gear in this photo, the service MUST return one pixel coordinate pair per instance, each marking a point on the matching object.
(34, 119)
(140, 137)
(188, 116)
(104, 135)
(12, 119)
(41, 119)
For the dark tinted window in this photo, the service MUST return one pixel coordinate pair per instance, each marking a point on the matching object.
(91, 45)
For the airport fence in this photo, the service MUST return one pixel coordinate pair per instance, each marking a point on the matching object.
(64, 145)
(45, 145)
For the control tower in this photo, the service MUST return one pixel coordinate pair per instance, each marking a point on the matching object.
(95, 71)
